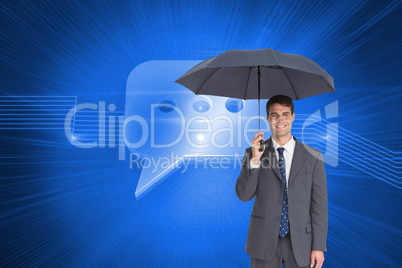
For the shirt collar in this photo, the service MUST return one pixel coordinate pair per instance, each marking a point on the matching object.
(289, 146)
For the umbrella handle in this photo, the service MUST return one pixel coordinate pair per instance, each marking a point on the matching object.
(261, 145)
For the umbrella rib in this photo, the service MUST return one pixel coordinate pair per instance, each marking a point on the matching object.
(276, 59)
(206, 80)
(248, 79)
(283, 70)
(327, 82)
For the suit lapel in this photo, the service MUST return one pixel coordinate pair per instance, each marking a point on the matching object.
(270, 155)
(298, 158)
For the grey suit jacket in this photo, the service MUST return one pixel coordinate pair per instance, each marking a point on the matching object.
(307, 202)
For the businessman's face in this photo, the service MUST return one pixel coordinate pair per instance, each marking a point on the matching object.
(280, 120)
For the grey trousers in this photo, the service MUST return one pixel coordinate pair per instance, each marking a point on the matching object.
(283, 254)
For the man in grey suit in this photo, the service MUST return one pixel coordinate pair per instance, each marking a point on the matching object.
(289, 220)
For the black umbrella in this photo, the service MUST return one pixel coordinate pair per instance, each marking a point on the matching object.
(258, 74)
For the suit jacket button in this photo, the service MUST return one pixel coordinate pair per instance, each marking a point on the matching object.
(277, 219)
(279, 202)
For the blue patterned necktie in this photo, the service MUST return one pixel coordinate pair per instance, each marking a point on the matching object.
(284, 228)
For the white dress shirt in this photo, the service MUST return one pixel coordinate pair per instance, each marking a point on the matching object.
(287, 154)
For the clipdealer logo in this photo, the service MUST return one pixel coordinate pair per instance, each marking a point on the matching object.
(107, 130)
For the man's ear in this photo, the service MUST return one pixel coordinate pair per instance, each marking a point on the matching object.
(293, 117)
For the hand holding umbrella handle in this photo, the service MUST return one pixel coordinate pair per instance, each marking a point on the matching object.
(256, 147)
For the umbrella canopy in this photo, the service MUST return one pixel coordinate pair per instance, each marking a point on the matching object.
(234, 74)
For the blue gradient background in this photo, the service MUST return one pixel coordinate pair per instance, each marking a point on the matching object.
(63, 206)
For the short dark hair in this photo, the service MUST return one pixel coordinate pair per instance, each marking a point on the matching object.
(282, 100)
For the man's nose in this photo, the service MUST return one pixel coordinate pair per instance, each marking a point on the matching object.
(280, 117)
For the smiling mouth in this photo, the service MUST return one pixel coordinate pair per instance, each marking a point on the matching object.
(280, 126)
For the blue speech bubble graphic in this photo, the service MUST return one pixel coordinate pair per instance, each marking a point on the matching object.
(167, 126)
